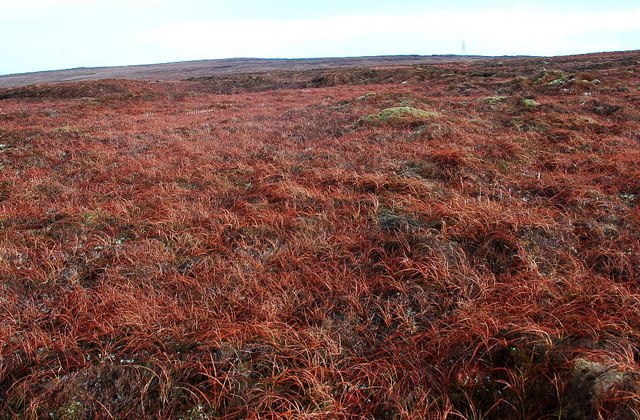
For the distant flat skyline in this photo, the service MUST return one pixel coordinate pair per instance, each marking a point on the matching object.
(38, 35)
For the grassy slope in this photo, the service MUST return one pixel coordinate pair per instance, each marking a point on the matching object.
(248, 246)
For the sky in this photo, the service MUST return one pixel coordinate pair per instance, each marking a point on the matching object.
(40, 35)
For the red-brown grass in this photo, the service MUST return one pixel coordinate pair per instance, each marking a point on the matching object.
(246, 248)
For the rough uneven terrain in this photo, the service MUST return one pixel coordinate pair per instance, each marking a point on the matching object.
(185, 69)
(446, 240)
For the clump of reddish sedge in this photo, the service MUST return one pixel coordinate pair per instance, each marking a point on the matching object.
(245, 248)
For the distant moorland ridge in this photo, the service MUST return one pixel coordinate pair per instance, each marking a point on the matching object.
(188, 69)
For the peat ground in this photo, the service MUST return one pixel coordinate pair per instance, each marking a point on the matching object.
(185, 69)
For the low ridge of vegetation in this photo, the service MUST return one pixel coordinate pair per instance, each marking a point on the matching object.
(459, 240)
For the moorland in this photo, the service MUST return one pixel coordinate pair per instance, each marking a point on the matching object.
(439, 240)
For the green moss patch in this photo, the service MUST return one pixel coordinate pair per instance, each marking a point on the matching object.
(493, 99)
(403, 115)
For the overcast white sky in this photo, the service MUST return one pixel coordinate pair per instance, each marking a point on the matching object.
(55, 34)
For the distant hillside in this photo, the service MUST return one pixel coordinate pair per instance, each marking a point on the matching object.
(187, 69)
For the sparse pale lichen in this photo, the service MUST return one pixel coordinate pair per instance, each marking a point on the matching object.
(366, 96)
(72, 410)
(493, 99)
(562, 79)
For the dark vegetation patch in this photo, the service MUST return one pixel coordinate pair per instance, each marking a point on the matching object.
(277, 80)
(106, 89)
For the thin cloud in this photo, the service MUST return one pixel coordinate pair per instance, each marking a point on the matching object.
(30, 3)
(501, 31)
